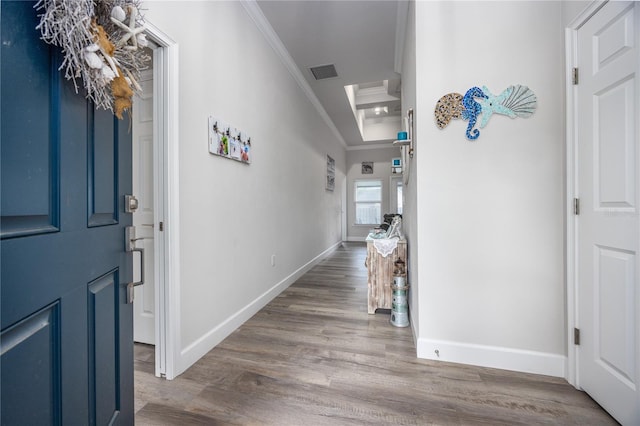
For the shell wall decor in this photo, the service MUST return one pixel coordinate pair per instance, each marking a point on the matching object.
(479, 104)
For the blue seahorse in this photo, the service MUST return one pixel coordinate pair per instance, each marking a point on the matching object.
(471, 110)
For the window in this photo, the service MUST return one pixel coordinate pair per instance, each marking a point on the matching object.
(368, 197)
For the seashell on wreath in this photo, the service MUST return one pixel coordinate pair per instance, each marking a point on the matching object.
(101, 42)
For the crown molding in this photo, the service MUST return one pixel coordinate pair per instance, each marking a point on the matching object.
(254, 11)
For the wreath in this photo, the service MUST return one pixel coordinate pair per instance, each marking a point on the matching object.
(101, 41)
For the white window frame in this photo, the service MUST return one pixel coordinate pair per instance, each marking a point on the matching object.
(356, 202)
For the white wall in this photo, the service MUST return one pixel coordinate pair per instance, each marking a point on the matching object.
(234, 217)
(381, 158)
(489, 213)
(379, 129)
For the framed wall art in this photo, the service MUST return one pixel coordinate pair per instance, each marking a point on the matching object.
(331, 174)
(229, 142)
(367, 167)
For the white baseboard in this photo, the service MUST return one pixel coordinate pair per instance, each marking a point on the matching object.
(357, 239)
(196, 350)
(494, 357)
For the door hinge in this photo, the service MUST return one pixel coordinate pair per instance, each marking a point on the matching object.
(574, 76)
(576, 206)
(161, 226)
(576, 336)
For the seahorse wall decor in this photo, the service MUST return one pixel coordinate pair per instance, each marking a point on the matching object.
(514, 101)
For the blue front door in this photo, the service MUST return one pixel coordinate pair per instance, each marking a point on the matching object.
(66, 329)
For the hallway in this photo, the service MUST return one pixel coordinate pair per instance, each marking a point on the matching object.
(313, 356)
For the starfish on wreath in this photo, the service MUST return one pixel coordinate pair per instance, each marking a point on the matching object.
(131, 31)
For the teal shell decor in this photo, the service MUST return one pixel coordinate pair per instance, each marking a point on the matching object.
(522, 101)
(494, 104)
(479, 105)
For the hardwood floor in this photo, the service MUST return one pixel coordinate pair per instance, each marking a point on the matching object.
(313, 356)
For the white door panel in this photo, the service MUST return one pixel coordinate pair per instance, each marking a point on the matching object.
(608, 224)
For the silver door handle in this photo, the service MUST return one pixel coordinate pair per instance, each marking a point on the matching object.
(132, 285)
(130, 239)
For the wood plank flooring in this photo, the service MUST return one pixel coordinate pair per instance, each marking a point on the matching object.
(313, 356)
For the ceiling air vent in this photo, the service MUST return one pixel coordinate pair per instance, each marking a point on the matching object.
(322, 72)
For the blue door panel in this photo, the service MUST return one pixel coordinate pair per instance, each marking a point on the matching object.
(30, 207)
(63, 264)
(103, 349)
(102, 163)
(74, 390)
(35, 342)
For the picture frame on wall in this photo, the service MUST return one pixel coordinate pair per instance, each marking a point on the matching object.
(229, 142)
(331, 174)
(396, 165)
(367, 167)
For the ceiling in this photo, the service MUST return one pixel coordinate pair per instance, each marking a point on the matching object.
(359, 38)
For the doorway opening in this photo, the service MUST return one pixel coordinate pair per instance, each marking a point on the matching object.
(153, 120)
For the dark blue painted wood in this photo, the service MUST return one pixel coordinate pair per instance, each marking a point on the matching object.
(33, 341)
(102, 161)
(66, 330)
(103, 316)
(32, 206)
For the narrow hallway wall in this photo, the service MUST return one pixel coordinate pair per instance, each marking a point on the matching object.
(236, 218)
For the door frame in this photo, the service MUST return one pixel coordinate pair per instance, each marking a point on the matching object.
(343, 210)
(166, 200)
(393, 193)
(571, 189)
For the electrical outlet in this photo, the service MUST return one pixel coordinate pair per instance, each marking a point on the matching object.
(273, 260)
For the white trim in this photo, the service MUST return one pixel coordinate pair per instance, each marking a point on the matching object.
(571, 189)
(254, 11)
(413, 321)
(402, 13)
(172, 226)
(493, 356)
(168, 298)
(586, 14)
(370, 146)
(393, 201)
(201, 346)
(159, 209)
(343, 210)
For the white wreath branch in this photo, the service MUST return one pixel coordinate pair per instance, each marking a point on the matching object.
(73, 26)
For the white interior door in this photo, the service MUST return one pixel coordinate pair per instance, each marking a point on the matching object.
(144, 217)
(608, 223)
